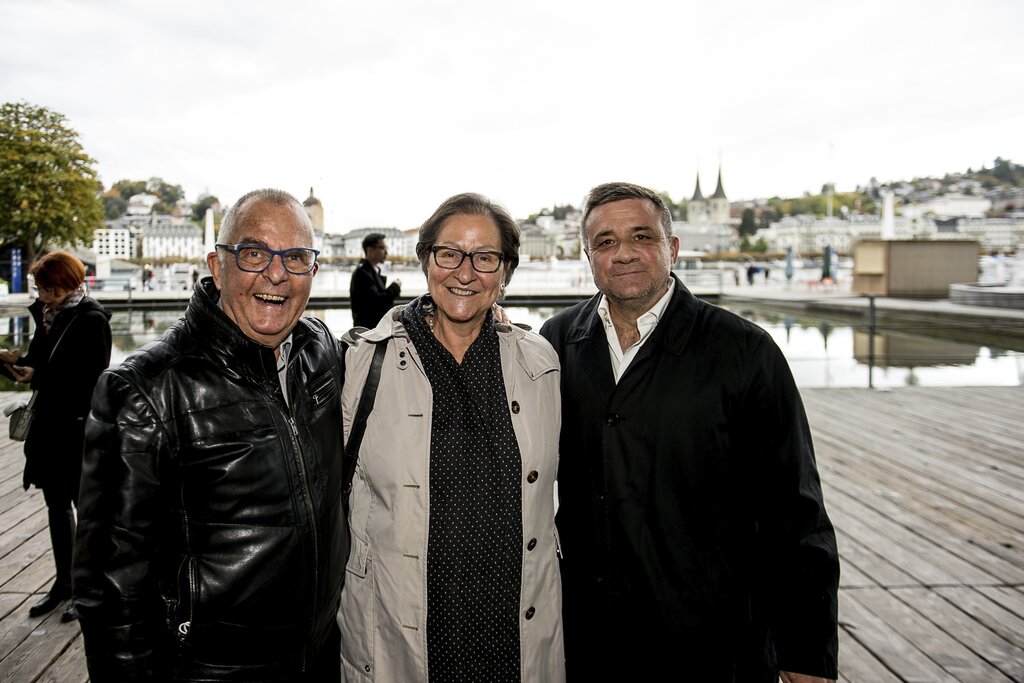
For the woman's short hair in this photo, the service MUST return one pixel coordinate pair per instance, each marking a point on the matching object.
(472, 204)
(58, 270)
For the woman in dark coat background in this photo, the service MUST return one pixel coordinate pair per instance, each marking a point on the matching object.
(64, 379)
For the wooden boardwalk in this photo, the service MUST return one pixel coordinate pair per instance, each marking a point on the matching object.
(925, 487)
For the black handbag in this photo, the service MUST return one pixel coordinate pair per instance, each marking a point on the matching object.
(21, 419)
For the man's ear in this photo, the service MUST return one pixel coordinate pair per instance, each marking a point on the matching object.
(213, 263)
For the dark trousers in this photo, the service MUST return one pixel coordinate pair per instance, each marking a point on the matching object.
(61, 520)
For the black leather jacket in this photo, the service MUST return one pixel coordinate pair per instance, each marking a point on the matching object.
(211, 541)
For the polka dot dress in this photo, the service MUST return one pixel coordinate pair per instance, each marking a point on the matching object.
(474, 547)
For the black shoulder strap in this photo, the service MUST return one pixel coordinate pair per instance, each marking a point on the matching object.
(355, 437)
(57, 343)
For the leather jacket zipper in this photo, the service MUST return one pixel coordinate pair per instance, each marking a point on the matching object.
(189, 565)
(301, 461)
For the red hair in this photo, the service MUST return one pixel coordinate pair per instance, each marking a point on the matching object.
(58, 270)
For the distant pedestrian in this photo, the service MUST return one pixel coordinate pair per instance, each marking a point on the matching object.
(67, 354)
(751, 272)
(369, 293)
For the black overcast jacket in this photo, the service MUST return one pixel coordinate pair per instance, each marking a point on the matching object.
(694, 536)
(64, 377)
(370, 295)
(211, 540)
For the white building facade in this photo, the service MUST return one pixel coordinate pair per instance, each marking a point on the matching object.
(113, 242)
(168, 241)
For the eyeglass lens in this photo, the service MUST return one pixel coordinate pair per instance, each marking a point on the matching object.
(451, 258)
(298, 261)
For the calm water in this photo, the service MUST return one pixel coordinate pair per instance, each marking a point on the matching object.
(821, 352)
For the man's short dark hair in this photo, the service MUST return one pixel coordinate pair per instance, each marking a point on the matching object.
(614, 192)
(472, 204)
(372, 240)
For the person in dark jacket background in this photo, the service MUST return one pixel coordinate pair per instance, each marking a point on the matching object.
(212, 539)
(369, 294)
(69, 350)
(695, 541)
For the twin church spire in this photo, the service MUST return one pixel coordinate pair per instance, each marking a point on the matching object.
(714, 209)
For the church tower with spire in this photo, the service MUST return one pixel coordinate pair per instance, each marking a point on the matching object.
(718, 204)
(713, 210)
(697, 209)
(315, 211)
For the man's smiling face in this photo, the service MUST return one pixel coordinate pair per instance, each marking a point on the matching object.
(265, 306)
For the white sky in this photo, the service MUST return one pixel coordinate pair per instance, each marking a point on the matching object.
(387, 107)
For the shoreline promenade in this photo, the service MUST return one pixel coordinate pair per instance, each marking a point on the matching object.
(924, 485)
(1001, 321)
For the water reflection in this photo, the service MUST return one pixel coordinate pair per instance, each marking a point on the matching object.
(822, 352)
(825, 352)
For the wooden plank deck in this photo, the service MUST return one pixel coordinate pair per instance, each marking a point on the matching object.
(925, 487)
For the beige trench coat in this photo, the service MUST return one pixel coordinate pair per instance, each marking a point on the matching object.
(383, 615)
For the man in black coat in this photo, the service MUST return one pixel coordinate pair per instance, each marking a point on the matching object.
(370, 295)
(695, 541)
(212, 540)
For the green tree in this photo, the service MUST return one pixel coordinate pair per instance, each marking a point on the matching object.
(168, 194)
(205, 202)
(126, 189)
(49, 191)
(748, 225)
(769, 214)
(113, 206)
(562, 210)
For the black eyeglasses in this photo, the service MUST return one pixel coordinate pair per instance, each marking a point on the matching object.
(255, 258)
(451, 258)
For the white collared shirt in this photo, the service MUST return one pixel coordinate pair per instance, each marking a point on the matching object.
(282, 365)
(645, 324)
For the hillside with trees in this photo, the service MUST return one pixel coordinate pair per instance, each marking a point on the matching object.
(1003, 175)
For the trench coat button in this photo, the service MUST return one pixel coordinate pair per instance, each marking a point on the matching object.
(401, 363)
(401, 354)
(611, 418)
(367, 668)
(530, 612)
(532, 476)
(532, 544)
(515, 407)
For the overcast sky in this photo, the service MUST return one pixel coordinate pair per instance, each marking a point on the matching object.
(388, 107)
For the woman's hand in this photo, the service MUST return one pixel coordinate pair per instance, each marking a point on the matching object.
(500, 315)
(22, 373)
(8, 356)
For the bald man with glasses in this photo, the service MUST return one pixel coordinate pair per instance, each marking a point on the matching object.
(212, 539)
